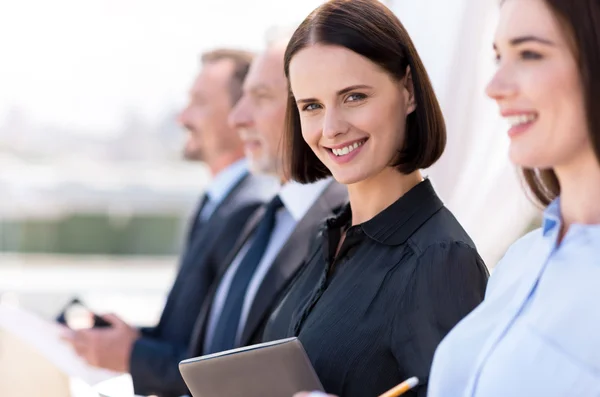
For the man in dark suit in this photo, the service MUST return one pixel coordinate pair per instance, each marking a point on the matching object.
(275, 241)
(152, 355)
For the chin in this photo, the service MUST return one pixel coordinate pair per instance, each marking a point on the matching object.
(348, 179)
(259, 167)
(527, 158)
(193, 155)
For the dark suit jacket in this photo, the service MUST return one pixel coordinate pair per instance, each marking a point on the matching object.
(287, 263)
(156, 355)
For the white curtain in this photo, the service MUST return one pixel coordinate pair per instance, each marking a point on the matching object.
(474, 177)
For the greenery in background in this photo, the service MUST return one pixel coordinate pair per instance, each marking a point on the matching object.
(94, 234)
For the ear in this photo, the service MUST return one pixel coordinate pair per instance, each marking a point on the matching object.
(409, 90)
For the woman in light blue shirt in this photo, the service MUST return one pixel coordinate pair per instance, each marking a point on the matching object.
(537, 333)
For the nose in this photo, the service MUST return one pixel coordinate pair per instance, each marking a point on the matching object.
(333, 124)
(502, 85)
(241, 114)
(182, 117)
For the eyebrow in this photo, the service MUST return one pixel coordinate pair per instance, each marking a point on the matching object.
(340, 92)
(525, 39)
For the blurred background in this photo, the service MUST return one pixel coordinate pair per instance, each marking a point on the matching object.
(94, 192)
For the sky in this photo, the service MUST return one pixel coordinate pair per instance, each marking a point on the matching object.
(84, 63)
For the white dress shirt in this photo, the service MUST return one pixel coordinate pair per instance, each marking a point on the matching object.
(297, 200)
(221, 185)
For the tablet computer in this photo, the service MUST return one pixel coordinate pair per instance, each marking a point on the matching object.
(273, 369)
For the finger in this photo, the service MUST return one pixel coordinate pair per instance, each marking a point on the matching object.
(67, 335)
(80, 341)
(82, 349)
(84, 344)
(114, 320)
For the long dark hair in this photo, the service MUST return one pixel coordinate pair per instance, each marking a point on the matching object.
(580, 20)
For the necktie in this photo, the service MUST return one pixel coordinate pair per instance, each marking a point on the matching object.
(198, 221)
(226, 330)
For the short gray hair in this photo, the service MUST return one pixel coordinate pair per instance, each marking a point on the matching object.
(241, 60)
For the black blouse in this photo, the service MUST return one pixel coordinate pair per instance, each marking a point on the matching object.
(373, 316)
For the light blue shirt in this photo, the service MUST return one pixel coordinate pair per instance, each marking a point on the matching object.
(297, 200)
(221, 185)
(537, 333)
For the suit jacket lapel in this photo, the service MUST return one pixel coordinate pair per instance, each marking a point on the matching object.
(197, 342)
(217, 213)
(196, 244)
(291, 257)
(249, 228)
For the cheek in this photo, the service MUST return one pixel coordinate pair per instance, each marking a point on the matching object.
(541, 87)
(385, 123)
(311, 131)
(558, 96)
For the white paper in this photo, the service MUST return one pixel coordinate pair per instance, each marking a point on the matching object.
(45, 337)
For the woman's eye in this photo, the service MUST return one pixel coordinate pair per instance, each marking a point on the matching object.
(355, 97)
(530, 55)
(310, 106)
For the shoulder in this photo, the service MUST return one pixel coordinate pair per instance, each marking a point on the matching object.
(241, 216)
(444, 271)
(442, 231)
(331, 199)
(444, 261)
(510, 268)
(336, 193)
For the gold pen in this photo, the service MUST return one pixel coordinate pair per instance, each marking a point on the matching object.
(402, 387)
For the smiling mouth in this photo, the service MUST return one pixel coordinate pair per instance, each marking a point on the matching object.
(521, 119)
(343, 151)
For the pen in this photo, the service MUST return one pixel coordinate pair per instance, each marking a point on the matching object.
(402, 387)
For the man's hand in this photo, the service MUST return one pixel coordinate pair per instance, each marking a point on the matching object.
(108, 348)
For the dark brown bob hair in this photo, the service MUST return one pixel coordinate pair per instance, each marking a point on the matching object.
(580, 21)
(371, 30)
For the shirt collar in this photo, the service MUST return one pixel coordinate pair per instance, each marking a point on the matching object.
(552, 217)
(395, 224)
(298, 198)
(225, 180)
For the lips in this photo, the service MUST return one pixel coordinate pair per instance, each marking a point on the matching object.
(346, 152)
(346, 148)
(519, 121)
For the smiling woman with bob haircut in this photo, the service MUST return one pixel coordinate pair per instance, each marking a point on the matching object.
(394, 271)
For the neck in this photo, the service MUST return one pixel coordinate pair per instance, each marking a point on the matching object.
(223, 160)
(580, 191)
(369, 197)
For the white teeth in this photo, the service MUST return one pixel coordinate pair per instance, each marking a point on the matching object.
(345, 150)
(517, 120)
